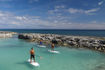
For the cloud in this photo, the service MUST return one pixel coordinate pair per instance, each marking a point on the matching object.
(92, 10)
(72, 25)
(58, 8)
(73, 11)
(32, 1)
(100, 3)
(53, 11)
(21, 18)
(9, 20)
(1, 14)
(5, 0)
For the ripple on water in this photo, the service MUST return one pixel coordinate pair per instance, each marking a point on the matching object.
(14, 54)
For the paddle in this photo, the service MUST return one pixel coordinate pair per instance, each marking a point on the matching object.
(39, 56)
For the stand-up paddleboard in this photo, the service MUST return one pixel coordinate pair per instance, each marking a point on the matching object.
(34, 63)
(53, 51)
(42, 46)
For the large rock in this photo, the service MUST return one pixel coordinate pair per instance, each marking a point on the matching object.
(54, 41)
(102, 42)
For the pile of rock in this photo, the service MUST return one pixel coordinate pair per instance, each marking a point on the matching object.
(96, 43)
(5, 34)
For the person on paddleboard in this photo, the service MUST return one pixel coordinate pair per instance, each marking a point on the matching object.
(52, 46)
(40, 43)
(32, 55)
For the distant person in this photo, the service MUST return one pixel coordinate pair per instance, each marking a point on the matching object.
(40, 43)
(52, 46)
(32, 55)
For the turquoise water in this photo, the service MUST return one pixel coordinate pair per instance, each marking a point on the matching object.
(14, 54)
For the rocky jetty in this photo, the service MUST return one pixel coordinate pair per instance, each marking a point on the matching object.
(6, 34)
(95, 43)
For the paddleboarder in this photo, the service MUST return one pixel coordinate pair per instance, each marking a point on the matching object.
(32, 55)
(40, 43)
(52, 46)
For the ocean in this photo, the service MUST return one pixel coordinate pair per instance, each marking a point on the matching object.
(99, 33)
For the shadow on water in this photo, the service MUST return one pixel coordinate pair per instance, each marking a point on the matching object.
(100, 67)
(27, 64)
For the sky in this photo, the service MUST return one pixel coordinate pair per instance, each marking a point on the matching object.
(52, 14)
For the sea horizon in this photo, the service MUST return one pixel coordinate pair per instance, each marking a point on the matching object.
(49, 29)
(75, 32)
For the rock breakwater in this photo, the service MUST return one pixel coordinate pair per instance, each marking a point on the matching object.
(95, 43)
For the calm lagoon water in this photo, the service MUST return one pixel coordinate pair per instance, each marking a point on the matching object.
(14, 54)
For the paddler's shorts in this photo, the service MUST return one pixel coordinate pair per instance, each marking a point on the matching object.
(40, 43)
(32, 56)
(52, 46)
